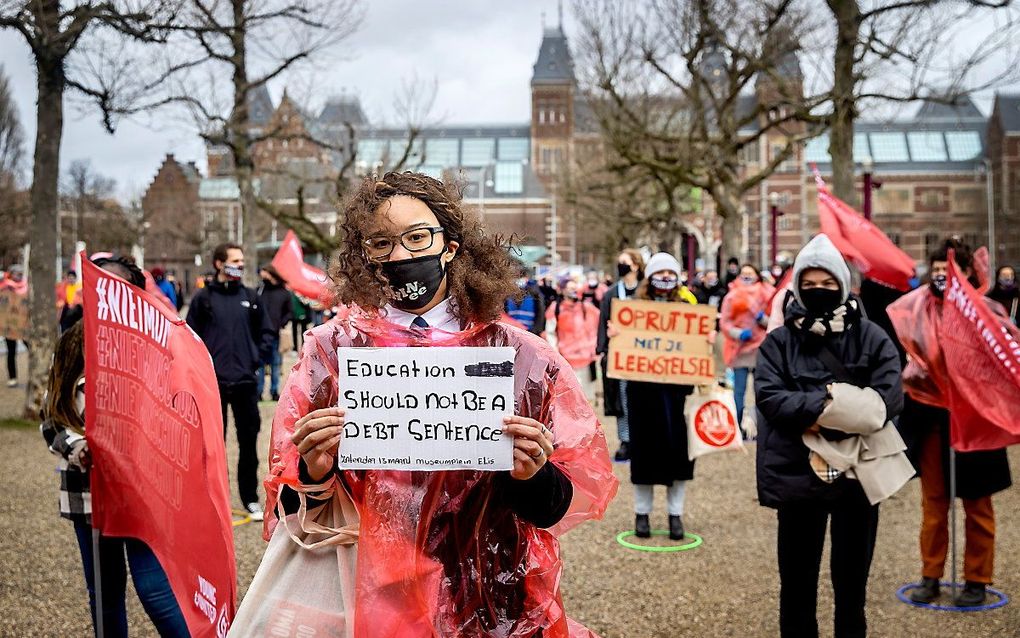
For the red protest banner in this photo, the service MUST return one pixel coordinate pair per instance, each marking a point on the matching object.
(304, 279)
(862, 243)
(982, 360)
(156, 434)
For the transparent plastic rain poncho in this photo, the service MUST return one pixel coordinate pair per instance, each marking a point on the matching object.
(437, 554)
(950, 365)
(917, 319)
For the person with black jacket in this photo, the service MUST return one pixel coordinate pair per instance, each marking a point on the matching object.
(1005, 292)
(825, 351)
(228, 317)
(630, 268)
(275, 298)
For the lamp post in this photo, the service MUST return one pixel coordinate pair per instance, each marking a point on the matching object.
(483, 183)
(774, 214)
(989, 190)
(870, 184)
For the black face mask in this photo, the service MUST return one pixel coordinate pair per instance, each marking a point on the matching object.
(416, 281)
(820, 301)
(937, 285)
(623, 269)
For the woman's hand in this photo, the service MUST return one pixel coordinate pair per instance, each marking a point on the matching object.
(611, 330)
(532, 445)
(317, 437)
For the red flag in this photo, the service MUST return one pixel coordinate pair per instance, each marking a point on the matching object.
(862, 243)
(154, 427)
(982, 357)
(304, 279)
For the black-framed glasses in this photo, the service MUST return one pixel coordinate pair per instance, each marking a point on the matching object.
(414, 241)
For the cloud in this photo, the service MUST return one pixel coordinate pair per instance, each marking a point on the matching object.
(480, 52)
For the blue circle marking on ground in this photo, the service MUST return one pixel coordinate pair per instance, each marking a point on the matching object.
(902, 594)
(622, 537)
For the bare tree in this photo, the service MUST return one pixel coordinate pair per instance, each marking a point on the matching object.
(63, 39)
(252, 42)
(907, 50)
(12, 136)
(96, 217)
(294, 184)
(12, 151)
(618, 204)
(685, 90)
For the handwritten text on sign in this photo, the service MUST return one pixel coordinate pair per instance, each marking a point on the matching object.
(426, 408)
(662, 342)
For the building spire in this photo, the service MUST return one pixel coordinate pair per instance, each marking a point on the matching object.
(559, 12)
(543, 21)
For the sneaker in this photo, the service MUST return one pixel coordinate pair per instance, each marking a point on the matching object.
(13, 383)
(973, 595)
(254, 511)
(276, 396)
(926, 592)
(623, 453)
(676, 528)
(642, 526)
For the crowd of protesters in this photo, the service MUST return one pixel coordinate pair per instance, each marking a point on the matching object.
(825, 371)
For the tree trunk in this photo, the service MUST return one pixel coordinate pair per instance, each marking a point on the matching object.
(240, 129)
(728, 207)
(42, 260)
(844, 108)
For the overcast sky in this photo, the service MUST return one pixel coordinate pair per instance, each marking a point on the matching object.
(481, 52)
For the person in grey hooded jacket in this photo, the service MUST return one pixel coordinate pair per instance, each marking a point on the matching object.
(805, 370)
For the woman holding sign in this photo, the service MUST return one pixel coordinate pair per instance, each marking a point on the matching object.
(448, 553)
(658, 430)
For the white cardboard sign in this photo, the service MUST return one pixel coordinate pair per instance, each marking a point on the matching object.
(426, 408)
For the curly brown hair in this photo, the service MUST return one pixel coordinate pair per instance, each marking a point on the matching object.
(480, 277)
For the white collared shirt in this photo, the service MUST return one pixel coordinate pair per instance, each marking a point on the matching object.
(441, 317)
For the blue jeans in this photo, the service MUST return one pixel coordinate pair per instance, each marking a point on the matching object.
(739, 390)
(274, 371)
(149, 579)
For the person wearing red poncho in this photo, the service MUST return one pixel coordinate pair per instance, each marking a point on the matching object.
(577, 326)
(925, 423)
(454, 553)
(742, 321)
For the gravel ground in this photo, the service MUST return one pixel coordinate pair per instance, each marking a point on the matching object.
(727, 587)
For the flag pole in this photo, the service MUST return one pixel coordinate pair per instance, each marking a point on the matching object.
(952, 517)
(97, 582)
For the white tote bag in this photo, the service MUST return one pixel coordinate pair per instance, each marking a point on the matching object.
(711, 416)
(304, 586)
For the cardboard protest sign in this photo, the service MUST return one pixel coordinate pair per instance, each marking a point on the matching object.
(426, 408)
(662, 342)
(13, 314)
(155, 430)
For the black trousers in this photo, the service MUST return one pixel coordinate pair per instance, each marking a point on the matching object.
(853, 527)
(297, 331)
(12, 358)
(244, 401)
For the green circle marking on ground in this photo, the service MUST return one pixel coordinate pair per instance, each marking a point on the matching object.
(621, 538)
